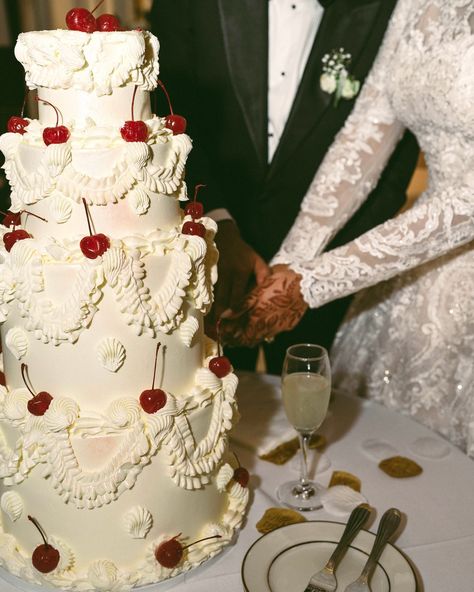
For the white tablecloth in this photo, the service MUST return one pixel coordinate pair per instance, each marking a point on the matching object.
(439, 504)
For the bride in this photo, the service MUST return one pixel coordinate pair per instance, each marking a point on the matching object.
(409, 340)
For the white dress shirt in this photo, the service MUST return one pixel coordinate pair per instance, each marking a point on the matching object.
(292, 28)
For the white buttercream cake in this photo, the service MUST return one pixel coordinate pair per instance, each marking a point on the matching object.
(105, 477)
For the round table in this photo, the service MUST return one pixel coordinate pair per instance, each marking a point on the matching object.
(438, 536)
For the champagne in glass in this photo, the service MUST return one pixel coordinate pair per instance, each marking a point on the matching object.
(306, 387)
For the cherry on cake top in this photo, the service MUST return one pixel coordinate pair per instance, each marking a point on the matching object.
(81, 19)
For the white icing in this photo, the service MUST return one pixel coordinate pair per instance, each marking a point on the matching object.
(97, 62)
(12, 504)
(224, 476)
(134, 169)
(137, 522)
(111, 354)
(139, 201)
(47, 440)
(188, 330)
(67, 559)
(61, 414)
(60, 208)
(124, 412)
(103, 575)
(122, 267)
(17, 342)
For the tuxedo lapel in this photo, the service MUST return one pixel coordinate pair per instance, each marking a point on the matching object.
(245, 29)
(347, 24)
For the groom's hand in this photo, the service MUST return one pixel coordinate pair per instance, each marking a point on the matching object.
(239, 267)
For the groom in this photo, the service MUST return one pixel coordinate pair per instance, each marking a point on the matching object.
(246, 74)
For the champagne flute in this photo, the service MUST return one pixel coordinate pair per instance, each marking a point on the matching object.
(306, 387)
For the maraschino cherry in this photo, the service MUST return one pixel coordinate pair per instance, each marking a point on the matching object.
(14, 219)
(59, 134)
(220, 365)
(152, 400)
(45, 557)
(241, 475)
(81, 19)
(107, 22)
(94, 245)
(176, 123)
(169, 553)
(195, 209)
(11, 238)
(134, 131)
(39, 403)
(18, 125)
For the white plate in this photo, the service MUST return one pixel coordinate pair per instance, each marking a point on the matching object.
(285, 559)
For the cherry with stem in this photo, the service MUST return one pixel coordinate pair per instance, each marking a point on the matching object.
(59, 134)
(169, 553)
(40, 402)
(132, 130)
(45, 557)
(152, 400)
(18, 125)
(241, 475)
(94, 245)
(195, 209)
(220, 365)
(176, 123)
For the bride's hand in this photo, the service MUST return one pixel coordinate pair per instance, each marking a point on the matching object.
(276, 305)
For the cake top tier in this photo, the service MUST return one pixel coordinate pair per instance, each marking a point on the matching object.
(96, 62)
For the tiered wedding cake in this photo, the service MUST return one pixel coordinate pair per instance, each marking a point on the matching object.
(108, 464)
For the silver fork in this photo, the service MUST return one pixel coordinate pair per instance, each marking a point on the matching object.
(325, 580)
(389, 523)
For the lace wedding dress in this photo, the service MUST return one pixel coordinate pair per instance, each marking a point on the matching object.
(407, 342)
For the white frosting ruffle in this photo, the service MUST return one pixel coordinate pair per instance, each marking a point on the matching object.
(47, 441)
(189, 279)
(133, 171)
(97, 62)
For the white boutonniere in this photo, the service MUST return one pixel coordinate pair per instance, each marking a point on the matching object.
(336, 79)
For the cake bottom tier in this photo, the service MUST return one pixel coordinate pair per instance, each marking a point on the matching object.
(106, 502)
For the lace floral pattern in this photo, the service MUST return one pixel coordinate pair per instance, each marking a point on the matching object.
(408, 340)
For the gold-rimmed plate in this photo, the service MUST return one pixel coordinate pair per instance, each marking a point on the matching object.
(284, 560)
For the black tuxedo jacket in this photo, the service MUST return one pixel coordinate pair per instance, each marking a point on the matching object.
(213, 59)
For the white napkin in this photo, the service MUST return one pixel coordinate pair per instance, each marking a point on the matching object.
(262, 426)
(340, 500)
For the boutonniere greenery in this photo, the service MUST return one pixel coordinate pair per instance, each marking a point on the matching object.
(336, 79)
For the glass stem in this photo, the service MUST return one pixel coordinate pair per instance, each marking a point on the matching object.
(304, 442)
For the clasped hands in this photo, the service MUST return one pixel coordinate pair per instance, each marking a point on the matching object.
(275, 304)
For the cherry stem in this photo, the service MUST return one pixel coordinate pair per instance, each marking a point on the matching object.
(237, 459)
(51, 105)
(23, 212)
(27, 90)
(196, 190)
(86, 207)
(216, 536)
(218, 331)
(41, 531)
(158, 345)
(133, 102)
(34, 215)
(101, 2)
(26, 379)
(163, 88)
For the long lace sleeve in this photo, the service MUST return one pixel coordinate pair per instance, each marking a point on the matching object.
(351, 169)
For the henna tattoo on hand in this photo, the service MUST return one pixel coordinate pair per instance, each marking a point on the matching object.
(275, 306)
